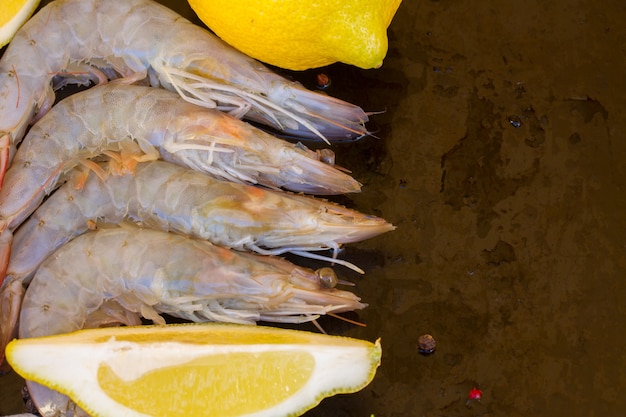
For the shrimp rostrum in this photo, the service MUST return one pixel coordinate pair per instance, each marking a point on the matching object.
(117, 275)
(83, 41)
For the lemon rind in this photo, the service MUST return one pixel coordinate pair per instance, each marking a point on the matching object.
(38, 360)
(10, 28)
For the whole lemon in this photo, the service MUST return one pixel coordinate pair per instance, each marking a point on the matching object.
(303, 34)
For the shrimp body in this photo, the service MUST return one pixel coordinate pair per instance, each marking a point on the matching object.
(168, 197)
(120, 274)
(148, 272)
(83, 41)
(106, 118)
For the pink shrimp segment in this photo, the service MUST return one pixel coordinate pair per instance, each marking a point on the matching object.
(87, 41)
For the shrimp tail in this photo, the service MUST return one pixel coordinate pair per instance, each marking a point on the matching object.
(5, 150)
(11, 297)
(11, 294)
(6, 239)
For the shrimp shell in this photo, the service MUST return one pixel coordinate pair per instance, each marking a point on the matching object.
(85, 41)
(119, 274)
(168, 197)
(150, 272)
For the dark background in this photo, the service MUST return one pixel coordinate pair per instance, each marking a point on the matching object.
(500, 158)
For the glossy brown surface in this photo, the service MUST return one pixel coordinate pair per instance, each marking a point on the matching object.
(500, 157)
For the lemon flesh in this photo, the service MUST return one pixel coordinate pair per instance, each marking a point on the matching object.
(299, 35)
(13, 14)
(216, 376)
(199, 369)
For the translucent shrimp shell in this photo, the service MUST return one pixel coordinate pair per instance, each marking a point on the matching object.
(148, 272)
(168, 197)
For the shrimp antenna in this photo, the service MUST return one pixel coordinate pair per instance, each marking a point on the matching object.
(337, 316)
(328, 259)
(305, 253)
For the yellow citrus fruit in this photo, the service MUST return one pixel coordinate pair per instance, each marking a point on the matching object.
(196, 369)
(13, 14)
(303, 34)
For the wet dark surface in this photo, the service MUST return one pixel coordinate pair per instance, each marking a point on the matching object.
(499, 156)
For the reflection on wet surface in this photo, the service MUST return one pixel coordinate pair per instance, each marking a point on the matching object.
(499, 154)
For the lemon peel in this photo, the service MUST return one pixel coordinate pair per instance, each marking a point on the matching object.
(13, 14)
(196, 369)
(299, 35)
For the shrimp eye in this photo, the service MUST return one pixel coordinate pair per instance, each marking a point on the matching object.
(327, 156)
(327, 277)
(322, 81)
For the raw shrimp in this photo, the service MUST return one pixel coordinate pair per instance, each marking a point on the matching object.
(117, 275)
(84, 41)
(103, 119)
(148, 272)
(168, 197)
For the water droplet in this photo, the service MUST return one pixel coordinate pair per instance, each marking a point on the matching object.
(326, 156)
(515, 121)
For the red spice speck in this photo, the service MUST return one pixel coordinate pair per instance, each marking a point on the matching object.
(475, 394)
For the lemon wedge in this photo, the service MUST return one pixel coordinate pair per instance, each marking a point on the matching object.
(207, 369)
(301, 34)
(13, 14)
